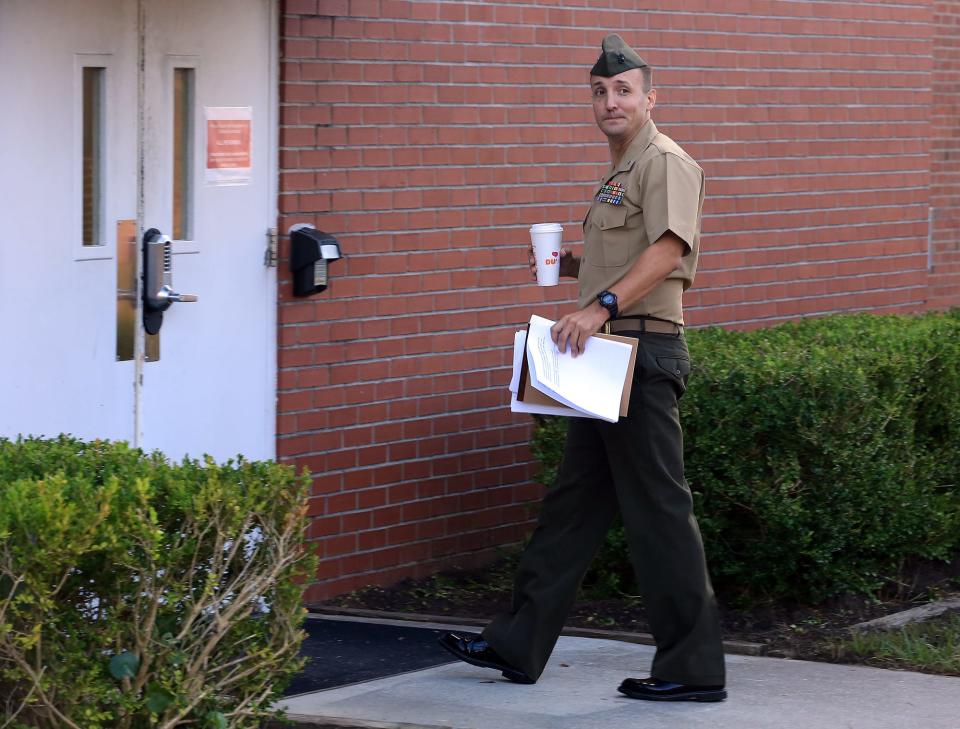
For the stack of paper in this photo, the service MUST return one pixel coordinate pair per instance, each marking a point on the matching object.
(595, 384)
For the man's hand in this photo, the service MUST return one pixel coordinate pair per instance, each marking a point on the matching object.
(575, 328)
(569, 264)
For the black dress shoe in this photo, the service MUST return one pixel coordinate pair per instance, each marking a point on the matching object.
(477, 652)
(653, 689)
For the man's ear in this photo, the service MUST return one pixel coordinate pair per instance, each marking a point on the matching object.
(651, 99)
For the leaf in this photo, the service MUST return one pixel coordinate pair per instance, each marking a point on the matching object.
(157, 698)
(124, 665)
(217, 720)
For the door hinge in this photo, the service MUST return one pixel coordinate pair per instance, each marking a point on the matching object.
(270, 255)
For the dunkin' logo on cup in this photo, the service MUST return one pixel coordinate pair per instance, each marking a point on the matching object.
(554, 256)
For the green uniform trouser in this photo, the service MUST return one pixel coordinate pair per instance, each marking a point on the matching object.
(635, 465)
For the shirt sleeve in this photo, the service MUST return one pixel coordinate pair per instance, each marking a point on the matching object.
(670, 195)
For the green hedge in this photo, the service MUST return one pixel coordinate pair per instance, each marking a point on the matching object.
(135, 592)
(821, 453)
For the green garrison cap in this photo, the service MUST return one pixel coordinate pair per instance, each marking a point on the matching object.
(616, 57)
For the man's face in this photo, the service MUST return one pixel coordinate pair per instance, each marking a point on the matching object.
(620, 105)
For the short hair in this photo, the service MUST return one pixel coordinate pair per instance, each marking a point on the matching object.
(647, 72)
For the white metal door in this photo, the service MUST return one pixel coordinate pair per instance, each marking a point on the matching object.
(65, 181)
(212, 389)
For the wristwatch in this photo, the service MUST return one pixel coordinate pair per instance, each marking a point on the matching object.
(608, 300)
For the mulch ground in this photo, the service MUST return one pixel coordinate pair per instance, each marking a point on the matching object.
(810, 632)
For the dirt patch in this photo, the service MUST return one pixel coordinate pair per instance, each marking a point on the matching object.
(810, 632)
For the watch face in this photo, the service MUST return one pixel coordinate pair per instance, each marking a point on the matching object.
(607, 299)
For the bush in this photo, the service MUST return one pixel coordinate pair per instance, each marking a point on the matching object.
(821, 453)
(135, 592)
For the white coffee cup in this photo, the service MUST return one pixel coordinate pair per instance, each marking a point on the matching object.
(546, 238)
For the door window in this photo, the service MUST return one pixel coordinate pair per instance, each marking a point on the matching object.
(93, 114)
(183, 116)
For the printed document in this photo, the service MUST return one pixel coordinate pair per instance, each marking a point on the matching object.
(590, 384)
(517, 405)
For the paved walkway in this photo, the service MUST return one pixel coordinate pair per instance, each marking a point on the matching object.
(578, 691)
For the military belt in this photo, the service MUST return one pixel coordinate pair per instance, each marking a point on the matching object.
(643, 324)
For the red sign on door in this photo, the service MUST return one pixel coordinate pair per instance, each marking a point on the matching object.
(229, 145)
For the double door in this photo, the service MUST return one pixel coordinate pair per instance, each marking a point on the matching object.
(122, 117)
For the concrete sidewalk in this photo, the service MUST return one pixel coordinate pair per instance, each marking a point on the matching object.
(578, 691)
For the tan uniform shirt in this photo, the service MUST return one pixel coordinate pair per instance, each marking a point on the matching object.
(656, 187)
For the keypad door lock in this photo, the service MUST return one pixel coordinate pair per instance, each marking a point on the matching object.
(158, 293)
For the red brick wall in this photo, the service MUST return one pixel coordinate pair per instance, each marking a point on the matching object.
(945, 158)
(428, 135)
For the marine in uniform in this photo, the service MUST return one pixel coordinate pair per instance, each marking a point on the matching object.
(641, 244)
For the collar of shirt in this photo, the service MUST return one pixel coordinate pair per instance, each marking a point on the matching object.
(646, 134)
(643, 139)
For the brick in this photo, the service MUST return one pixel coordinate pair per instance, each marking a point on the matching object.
(303, 7)
(339, 545)
(369, 498)
(372, 539)
(384, 558)
(355, 522)
(298, 48)
(297, 137)
(317, 27)
(341, 502)
(333, 7)
(365, 8)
